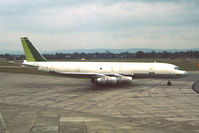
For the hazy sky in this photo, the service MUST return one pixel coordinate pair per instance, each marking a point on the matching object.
(90, 24)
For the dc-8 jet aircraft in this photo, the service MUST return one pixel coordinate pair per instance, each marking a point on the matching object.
(101, 73)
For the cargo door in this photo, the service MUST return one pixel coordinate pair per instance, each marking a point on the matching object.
(52, 69)
(120, 70)
(112, 69)
(78, 68)
(151, 70)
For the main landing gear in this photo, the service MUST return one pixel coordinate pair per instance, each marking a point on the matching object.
(169, 83)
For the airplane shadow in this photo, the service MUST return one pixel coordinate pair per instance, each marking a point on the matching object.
(94, 87)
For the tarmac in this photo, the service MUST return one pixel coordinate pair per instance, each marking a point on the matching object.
(48, 104)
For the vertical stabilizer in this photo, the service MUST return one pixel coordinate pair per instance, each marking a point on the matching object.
(31, 53)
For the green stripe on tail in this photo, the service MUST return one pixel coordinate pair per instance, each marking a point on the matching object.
(31, 53)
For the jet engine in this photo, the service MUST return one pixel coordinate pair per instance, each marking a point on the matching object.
(106, 80)
(124, 79)
(112, 80)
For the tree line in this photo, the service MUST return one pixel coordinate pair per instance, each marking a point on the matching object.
(107, 54)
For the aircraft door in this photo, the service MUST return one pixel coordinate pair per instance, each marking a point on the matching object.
(120, 69)
(151, 70)
(78, 69)
(112, 69)
(52, 69)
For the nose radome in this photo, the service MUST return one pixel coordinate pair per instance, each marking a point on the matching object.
(186, 73)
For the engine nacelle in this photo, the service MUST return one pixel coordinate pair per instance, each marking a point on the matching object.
(112, 80)
(106, 80)
(124, 79)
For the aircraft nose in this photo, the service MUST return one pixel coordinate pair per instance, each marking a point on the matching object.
(186, 73)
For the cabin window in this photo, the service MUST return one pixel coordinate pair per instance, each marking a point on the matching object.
(177, 68)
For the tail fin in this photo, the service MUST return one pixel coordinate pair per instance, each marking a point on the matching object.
(31, 53)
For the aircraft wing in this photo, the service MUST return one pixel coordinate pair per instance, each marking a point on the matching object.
(90, 75)
(81, 75)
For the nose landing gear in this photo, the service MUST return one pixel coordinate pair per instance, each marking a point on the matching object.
(169, 83)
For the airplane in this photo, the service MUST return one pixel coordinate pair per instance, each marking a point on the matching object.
(101, 73)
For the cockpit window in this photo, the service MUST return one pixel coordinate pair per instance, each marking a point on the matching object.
(177, 68)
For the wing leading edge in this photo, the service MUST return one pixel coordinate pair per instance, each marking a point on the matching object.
(92, 75)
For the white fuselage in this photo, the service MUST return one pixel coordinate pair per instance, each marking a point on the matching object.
(136, 70)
